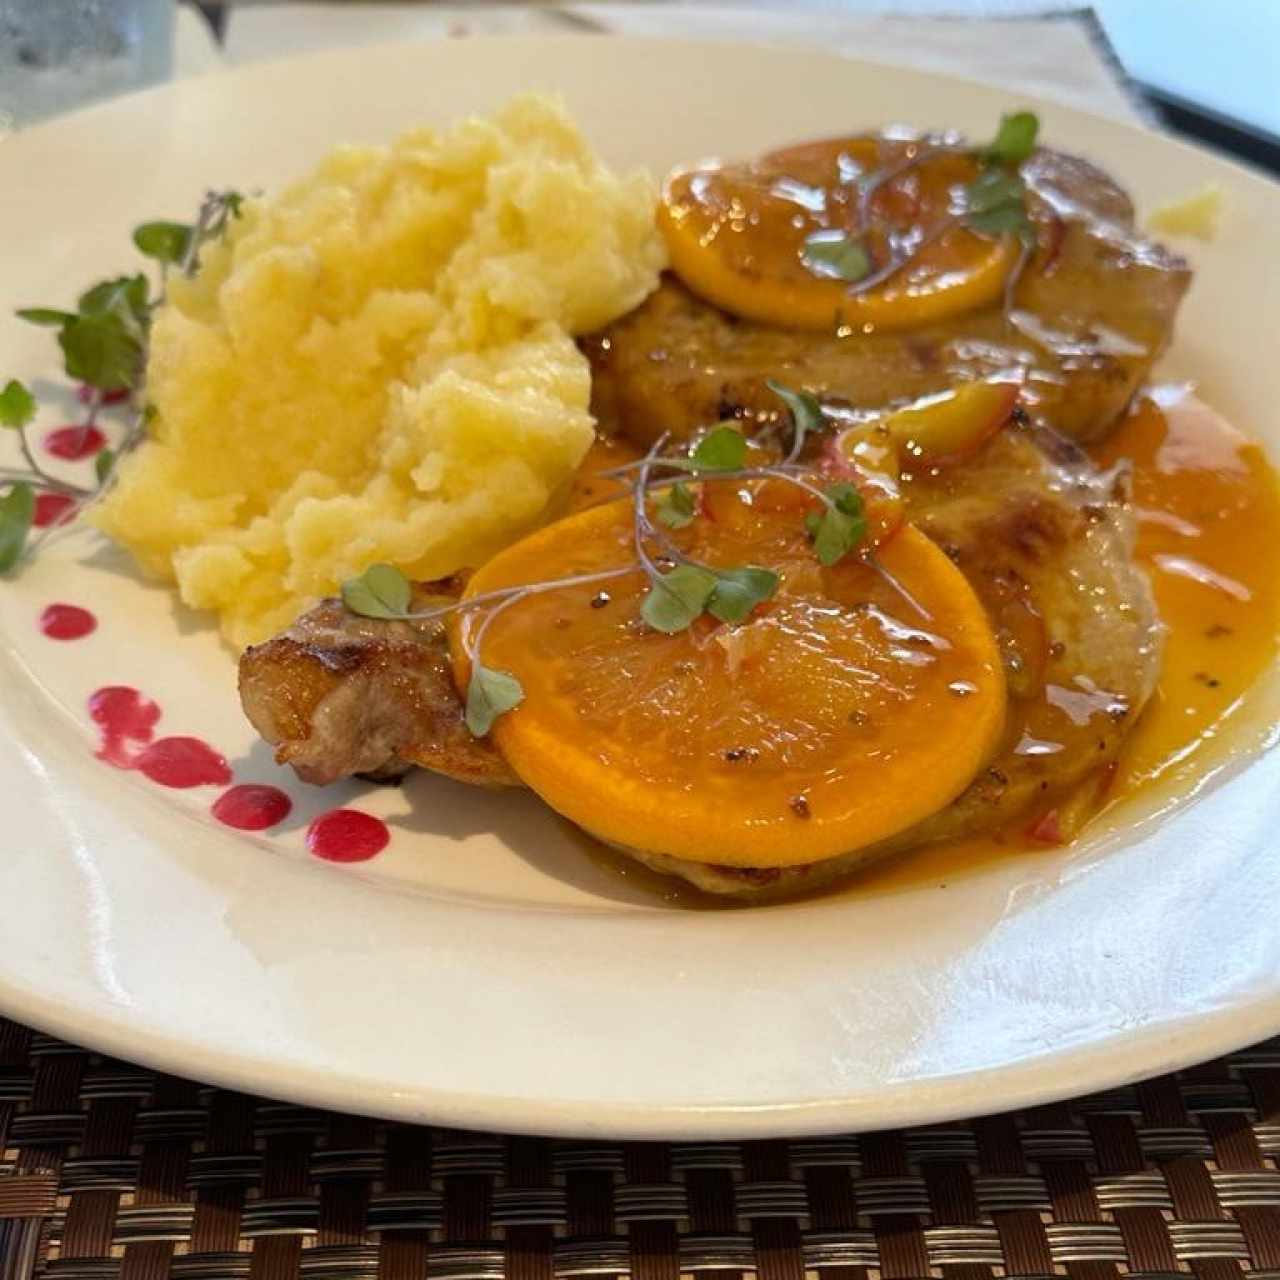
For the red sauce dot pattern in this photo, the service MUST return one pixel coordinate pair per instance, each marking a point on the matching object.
(182, 763)
(347, 835)
(252, 806)
(67, 622)
(51, 508)
(74, 444)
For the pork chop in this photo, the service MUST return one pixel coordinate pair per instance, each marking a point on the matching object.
(1046, 540)
(338, 694)
(1087, 323)
(1043, 536)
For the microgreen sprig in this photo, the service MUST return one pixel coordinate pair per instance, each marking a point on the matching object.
(677, 508)
(104, 348)
(840, 526)
(993, 204)
(383, 592)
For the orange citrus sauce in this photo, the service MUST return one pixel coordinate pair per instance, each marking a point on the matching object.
(1208, 508)
(1209, 537)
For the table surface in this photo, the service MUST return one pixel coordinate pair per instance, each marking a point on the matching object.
(111, 1172)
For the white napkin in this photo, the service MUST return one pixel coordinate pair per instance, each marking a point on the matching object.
(1050, 57)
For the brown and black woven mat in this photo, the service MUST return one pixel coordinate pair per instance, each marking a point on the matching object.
(109, 1170)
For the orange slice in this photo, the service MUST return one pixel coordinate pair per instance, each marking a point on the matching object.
(736, 235)
(934, 431)
(851, 705)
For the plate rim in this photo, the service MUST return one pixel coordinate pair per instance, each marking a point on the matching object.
(1153, 1049)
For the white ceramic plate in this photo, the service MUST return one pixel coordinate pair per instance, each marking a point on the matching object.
(484, 971)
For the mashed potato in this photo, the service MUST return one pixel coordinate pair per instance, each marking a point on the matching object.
(1195, 215)
(378, 365)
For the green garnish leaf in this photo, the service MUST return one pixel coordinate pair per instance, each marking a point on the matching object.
(1015, 140)
(102, 341)
(676, 599)
(381, 591)
(103, 464)
(232, 202)
(164, 241)
(840, 527)
(17, 508)
(723, 449)
(98, 349)
(996, 204)
(1009, 219)
(806, 412)
(17, 405)
(47, 316)
(125, 296)
(677, 507)
(490, 694)
(738, 591)
(845, 498)
(993, 189)
(836, 255)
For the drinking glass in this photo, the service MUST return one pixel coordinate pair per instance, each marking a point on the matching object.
(60, 54)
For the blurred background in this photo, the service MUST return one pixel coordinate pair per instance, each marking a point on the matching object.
(1209, 70)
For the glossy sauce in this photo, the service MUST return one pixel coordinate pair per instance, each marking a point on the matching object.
(252, 806)
(1208, 511)
(589, 485)
(66, 622)
(347, 835)
(127, 720)
(1209, 538)
(183, 762)
(745, 236)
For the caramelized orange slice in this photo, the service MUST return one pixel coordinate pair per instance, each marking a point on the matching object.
(934, 431)
(854, 703)
(738, 236)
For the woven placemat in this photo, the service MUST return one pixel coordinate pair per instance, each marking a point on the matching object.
(109, 1170)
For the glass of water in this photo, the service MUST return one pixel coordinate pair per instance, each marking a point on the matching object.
(60, 54)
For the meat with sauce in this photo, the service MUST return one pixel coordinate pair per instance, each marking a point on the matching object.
(1046, 540)
(1044, 537)
(1086, 326)
(338, 694)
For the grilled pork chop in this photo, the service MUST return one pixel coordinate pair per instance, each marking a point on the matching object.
(338, 694)
(1046, 540)
(1043, 536)
(1089, 320)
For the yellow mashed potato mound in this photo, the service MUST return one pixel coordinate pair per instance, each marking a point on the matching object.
(378, 365)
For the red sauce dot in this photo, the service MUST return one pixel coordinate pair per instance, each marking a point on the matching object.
(51, 508)
(125, 717)
(183, 762)
(67, 622)
(74, 443)
(347, 835)
(87, 393)
(252, 807)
